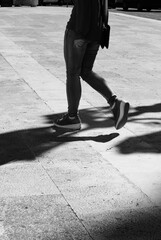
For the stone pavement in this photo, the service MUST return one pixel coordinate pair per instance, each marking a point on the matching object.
(98, 183)
(153, 14)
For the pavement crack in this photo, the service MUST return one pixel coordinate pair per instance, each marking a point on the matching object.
(68, 204)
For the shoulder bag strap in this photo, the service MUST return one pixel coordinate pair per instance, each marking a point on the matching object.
(104, 11)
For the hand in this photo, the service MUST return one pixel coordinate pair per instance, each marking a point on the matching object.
(78, 42)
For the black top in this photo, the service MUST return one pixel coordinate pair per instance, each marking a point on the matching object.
(86, 20)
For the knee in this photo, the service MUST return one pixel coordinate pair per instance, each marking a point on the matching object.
(72, 73)
(85, 75)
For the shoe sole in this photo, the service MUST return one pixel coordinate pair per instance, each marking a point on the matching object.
(124, 109)
(76, 126)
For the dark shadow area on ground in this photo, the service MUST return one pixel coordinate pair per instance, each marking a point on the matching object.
(98, 138)
(147, 143)
(30, 143)
(130, 224)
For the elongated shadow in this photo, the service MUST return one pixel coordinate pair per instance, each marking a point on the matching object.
(26, 145)
(30, 143)
(155, 108)
(69, 138)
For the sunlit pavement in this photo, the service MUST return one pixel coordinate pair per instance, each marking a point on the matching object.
(153, 14)
(98, 183)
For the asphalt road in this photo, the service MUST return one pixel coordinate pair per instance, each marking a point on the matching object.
(153, 14)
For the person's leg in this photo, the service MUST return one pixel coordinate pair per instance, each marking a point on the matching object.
(73, 54)
(73, 57)
(92, 78)
(119, 108)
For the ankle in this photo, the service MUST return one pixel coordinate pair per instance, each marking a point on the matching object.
(112, 100)
(73, 115)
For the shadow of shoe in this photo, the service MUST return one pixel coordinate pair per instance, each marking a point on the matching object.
(66, 135)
